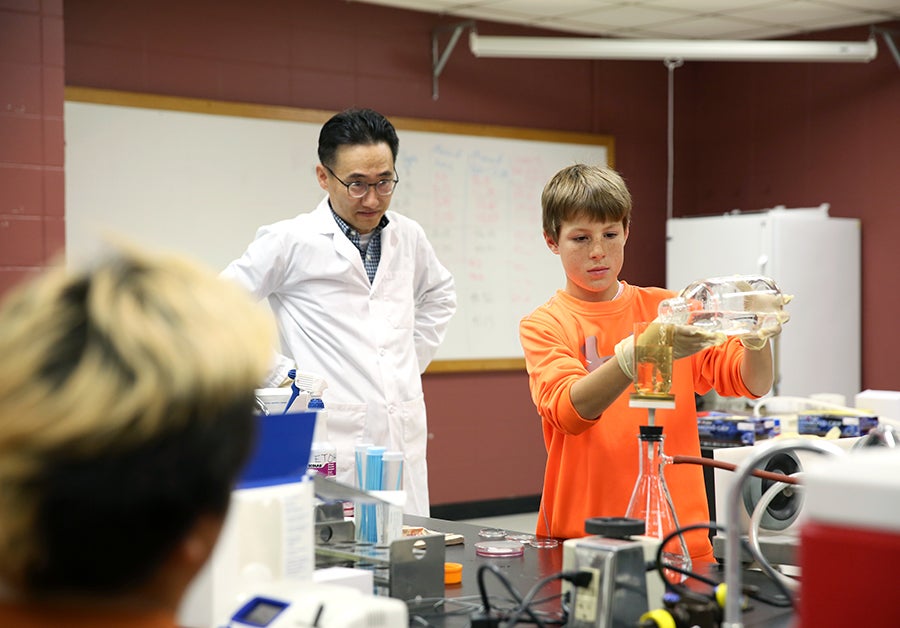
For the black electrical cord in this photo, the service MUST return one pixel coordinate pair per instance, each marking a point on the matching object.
(423, 609)
(662, 567)
(578, 578)
(509, 587)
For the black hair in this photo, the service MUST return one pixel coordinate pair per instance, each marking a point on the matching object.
(107, 521)
(353, 127)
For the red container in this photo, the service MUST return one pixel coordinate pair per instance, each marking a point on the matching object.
(850, 542)
(849, 577)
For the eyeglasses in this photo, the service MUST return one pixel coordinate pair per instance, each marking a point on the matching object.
(358, 189)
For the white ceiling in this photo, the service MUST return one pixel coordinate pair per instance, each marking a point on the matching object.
(666, 19)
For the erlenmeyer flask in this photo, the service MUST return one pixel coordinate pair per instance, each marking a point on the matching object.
(651, 501)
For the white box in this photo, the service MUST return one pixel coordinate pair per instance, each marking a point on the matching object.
(361, 580)
(884, 403)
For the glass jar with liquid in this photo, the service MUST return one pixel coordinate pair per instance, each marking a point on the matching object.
(653, 345)
(732, 305)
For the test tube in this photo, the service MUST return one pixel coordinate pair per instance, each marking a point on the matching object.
(360, 459)
(373, 483)
(392, 471)
(374, 465)
(361, 511)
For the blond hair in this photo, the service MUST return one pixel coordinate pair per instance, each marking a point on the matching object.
(581, 190)
(107, 364)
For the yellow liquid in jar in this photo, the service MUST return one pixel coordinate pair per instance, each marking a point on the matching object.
(653, 370)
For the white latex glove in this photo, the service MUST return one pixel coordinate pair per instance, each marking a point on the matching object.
(756, 341)
(771, 308)
(686, 340)
(624, 351)
(690, 340)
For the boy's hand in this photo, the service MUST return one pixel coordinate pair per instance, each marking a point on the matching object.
(771, 308)
(756, 341)
(685, 340)
(689, 340)
(624, 351)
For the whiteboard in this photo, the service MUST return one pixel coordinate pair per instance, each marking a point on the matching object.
(193, 180)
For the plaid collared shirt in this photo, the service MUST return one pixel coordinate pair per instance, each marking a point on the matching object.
(370, 254)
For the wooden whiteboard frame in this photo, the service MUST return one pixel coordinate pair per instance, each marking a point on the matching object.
(274, 112)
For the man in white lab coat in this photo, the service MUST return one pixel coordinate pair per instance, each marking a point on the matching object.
(360, 297)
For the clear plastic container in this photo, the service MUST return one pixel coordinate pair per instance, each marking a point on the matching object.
(732, 305)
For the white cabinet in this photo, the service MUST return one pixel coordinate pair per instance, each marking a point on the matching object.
(809, 254)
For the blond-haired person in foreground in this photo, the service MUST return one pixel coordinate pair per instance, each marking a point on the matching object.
(126, 414)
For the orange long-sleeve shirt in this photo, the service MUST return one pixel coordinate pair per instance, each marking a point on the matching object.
(592, 465)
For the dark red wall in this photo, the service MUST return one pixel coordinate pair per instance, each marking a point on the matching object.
(320, 54)
(799, 134)
(747, 136)
(32, 194)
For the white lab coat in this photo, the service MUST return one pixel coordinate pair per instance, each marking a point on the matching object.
(370, 342)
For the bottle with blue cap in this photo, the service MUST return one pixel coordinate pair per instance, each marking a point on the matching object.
(323, 454)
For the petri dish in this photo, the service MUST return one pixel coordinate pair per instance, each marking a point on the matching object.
(543, 542)
(492, 533)
(499, 549)
(521, 537)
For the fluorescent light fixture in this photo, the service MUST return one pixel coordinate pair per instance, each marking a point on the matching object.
(663, 49)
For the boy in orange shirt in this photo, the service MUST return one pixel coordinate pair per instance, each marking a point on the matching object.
(578, 351)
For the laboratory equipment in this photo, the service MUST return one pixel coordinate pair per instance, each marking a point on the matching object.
(392, 471)
(366, 514)
(268, 532)
(616, 554)
(683, 612)
(313, 604)
(492, 533)
(402, 567)
(850, 542)
(733, 564)
(653, 354)
(275, 400)
(780, 243)
(652, 503)
(499, 549)
(731, 305)
(302, 383)
(777, 523)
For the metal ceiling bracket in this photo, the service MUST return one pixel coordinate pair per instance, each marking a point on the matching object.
(671, 65)
(439, 59)
(888, 36)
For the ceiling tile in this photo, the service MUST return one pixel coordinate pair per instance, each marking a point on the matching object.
(706, 19)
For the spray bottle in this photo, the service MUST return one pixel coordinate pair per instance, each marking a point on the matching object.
(323, 455)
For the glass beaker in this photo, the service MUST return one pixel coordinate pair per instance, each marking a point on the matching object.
(653, 359)
(651, 501)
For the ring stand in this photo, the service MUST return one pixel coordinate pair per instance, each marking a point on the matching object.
(652, 403)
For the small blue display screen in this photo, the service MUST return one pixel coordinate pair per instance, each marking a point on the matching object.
(260, 612)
